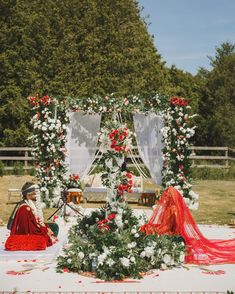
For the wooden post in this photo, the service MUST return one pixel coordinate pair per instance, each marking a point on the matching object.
(226, 156)
(26, 161)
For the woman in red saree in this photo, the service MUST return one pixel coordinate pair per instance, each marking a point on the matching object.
(172, 217)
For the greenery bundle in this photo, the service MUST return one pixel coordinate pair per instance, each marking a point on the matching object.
(114, 248)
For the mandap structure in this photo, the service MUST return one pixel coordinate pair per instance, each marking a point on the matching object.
(109, 242)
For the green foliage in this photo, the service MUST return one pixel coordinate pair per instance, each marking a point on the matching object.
(216, 121)
(1, 169)
(117, 252)
(184, 84)
(70, 47)
(206, 173)
(18, 168)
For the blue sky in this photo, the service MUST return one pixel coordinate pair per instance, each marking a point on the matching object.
(187, 31)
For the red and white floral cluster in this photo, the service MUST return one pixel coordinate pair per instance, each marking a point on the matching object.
(115, 140)
(177, 133)
(126, 184)
(72, 182)
(48, 140)
(118, 139)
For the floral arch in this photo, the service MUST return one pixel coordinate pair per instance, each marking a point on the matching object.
(51, 118)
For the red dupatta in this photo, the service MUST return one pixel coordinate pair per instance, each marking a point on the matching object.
(172, 217)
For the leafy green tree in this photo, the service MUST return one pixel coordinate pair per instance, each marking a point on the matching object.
(216, 121)
(71, 47)
(184, 84)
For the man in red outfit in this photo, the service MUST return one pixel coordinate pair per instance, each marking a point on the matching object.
(28, 231)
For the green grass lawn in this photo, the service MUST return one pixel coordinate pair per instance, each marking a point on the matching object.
(216, 201)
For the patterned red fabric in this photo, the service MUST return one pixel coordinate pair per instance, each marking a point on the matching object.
(26, 242)
(26, 224)
(172, 217)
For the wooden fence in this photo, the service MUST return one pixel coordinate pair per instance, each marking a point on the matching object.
(221, 157)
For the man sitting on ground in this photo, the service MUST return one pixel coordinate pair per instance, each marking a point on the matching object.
(28, 231)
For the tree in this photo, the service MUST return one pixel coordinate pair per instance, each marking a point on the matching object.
(216, 121)
(183, 84)
(71, 47)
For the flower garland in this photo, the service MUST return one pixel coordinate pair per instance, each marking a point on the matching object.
(177, 133)
(115, 140)
(48, 141)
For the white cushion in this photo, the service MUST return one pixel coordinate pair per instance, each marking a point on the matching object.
(74, 190)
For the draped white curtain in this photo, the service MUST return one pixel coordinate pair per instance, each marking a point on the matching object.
(82, 139)
(149, 142)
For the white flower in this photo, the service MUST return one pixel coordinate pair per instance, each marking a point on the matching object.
(132, 259)
(101, 258)
(137, 235)
(69, 260)
(142, 254)
(194, 206)
(125, 261)
(81, 255)
(110, 262)
(118, 221)
(167, 259)
(182, 256)
(149, 251)
(133, 231)
(163, 266)
(131, 245)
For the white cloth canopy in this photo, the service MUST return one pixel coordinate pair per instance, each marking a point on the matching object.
(82, 139)
(150, 142)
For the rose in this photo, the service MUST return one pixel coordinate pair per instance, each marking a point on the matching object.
(178, 101)
(111, 216)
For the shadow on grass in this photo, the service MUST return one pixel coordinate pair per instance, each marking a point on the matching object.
(231, 213)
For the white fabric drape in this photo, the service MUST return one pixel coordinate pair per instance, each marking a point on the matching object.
(149, 142)
(82, 139)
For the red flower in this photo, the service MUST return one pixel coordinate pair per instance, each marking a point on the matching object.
(103, 221)
(120, 137)
(65, 270)
(178, 101)
(111, 216)
(55, 218)
(104, 227)
(45, 100)
(118, 148)
(129, 175)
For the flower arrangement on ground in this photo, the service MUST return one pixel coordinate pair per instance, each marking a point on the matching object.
(114, 248)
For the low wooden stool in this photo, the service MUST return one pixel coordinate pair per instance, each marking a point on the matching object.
(148, 198)
(74, 195)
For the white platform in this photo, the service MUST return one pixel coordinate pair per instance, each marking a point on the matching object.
(41, 276)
